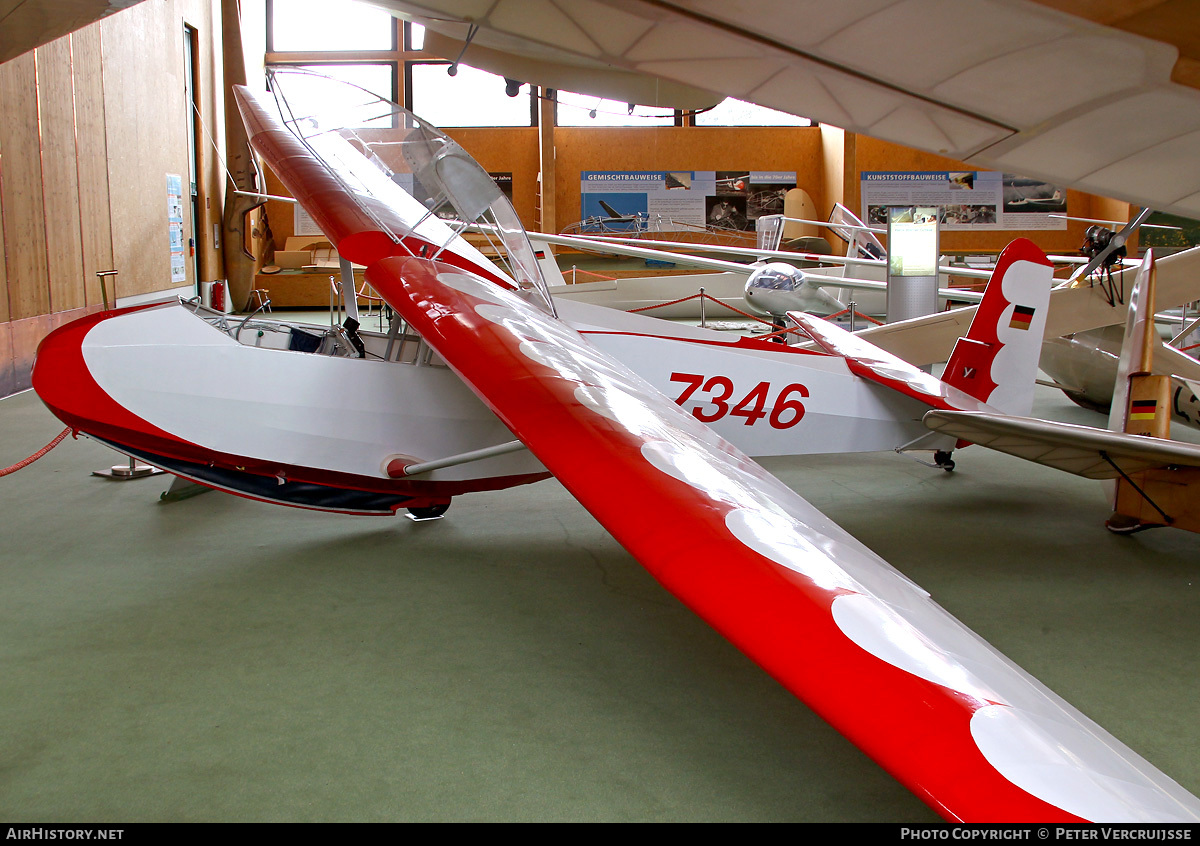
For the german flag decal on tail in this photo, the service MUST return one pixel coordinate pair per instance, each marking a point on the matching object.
(1143, 409)
(1022, 317)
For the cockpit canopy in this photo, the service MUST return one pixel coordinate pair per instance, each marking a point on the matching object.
(433, 190)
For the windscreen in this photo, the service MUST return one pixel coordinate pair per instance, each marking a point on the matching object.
(860, 239)
(434, 193)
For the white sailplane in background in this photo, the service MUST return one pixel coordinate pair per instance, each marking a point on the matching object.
(485, 380)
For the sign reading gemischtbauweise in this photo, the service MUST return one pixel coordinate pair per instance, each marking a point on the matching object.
(662, 200)
(967, 200)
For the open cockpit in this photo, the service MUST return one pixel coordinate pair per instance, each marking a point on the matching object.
(395, 342)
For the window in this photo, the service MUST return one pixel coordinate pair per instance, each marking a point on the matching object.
(414, 37)
(584, 110)
(309, 26)
(469, 98)
(361, 45)
(733, 112)
(377, 77)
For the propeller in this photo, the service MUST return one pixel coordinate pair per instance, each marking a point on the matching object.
(1115, 243)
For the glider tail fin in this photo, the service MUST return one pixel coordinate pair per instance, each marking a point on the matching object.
(996, 361)
(1141, 400)
(1141, 406)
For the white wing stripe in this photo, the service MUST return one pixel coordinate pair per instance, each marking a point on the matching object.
(1071, 769)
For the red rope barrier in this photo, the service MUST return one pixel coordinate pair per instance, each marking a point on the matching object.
(793, 330)
(26, 462)
(738, 310)
(661, 305)
(360, 293)
(575, 271)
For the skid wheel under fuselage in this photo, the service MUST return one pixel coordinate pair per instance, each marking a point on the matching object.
(429, 512)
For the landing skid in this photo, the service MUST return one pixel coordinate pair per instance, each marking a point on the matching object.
(125, 472)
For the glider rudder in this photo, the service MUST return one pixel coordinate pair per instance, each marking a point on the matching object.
(996, 361)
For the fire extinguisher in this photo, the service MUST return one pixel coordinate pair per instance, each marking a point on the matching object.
(218, 296)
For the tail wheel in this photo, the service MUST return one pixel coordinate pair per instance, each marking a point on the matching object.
(942, 459)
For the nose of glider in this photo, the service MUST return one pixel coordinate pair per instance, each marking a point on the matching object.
(775, 288)
(62, 380)
(60, 375)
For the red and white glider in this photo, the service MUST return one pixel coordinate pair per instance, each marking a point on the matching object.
(964, 728)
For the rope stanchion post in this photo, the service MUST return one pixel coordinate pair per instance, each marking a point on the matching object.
(102, 275)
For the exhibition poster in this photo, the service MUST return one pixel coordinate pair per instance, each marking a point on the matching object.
(660, 201)
(175, 227)
(968, 200)
(913, 236)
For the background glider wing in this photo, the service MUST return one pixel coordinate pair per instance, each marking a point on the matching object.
(930, 339)
(1082, 450)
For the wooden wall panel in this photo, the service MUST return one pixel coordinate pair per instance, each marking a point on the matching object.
(60, 175)
(204, 17)
(24, 218)
(8, 376)
(3, 261)
(92, 150)
(90, 126)
(145, 133)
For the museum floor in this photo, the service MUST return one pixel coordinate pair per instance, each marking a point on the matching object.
(218, 659)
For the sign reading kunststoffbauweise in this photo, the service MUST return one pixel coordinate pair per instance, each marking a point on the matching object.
(661, 200)
(967, 199)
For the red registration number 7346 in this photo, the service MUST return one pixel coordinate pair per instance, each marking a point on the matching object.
(786, 411)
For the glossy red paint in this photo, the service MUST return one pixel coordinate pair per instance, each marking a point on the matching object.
(870, 362)
(916, 729)
(65, 384)
(970, 366)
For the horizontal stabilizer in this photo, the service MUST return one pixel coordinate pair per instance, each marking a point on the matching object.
(1082, 450)
(929, 339)
(870, 362)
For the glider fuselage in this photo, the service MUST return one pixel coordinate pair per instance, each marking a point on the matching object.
(288, 413)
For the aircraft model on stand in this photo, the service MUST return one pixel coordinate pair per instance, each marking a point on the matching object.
(484, 381)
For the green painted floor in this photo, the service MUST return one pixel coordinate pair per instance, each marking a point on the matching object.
(220, 659)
